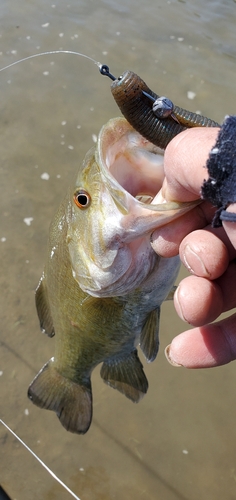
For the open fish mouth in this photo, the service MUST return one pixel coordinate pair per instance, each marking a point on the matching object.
(133, 172)
(129, 163)
(135, 163)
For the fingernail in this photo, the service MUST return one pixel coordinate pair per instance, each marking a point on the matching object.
(193, 262)
(178, 306)
(169, 359)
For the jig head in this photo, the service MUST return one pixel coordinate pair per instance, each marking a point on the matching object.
(162, 107)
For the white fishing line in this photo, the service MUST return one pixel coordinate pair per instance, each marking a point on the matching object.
(51, 52)
(40, 461)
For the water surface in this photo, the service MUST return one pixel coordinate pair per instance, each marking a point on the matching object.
(179, 442)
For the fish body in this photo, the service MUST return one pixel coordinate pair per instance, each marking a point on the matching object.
(129, 93)
(103, 285)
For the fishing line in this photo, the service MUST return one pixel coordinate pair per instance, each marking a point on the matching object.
(40, 461)
(49, 53)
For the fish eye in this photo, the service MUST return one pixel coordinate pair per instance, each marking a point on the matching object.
(82, 198)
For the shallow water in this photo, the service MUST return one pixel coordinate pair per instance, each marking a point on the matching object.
(179, 442)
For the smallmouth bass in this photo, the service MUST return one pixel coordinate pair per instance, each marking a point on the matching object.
(103, 285)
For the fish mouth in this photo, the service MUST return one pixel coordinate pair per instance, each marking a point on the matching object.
(129, 162)
(133, 172)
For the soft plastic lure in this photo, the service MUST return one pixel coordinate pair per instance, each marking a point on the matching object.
(155, 118)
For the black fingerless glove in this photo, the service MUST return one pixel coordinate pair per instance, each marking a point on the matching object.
(220, 188)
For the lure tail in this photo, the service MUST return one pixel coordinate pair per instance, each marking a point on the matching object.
(71, 402)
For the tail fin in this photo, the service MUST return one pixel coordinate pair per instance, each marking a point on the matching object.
(126, 375)
(71, 402)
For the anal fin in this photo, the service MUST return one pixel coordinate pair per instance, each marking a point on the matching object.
(149, 338)
(71, 402)
(43, 308)
(126, 375)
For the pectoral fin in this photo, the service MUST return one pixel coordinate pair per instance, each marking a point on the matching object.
(43, 308)
(170, 295)
(71, 402)
(149, 338)
(126, 375)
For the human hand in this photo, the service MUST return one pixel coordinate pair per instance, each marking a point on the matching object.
(208, 253)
